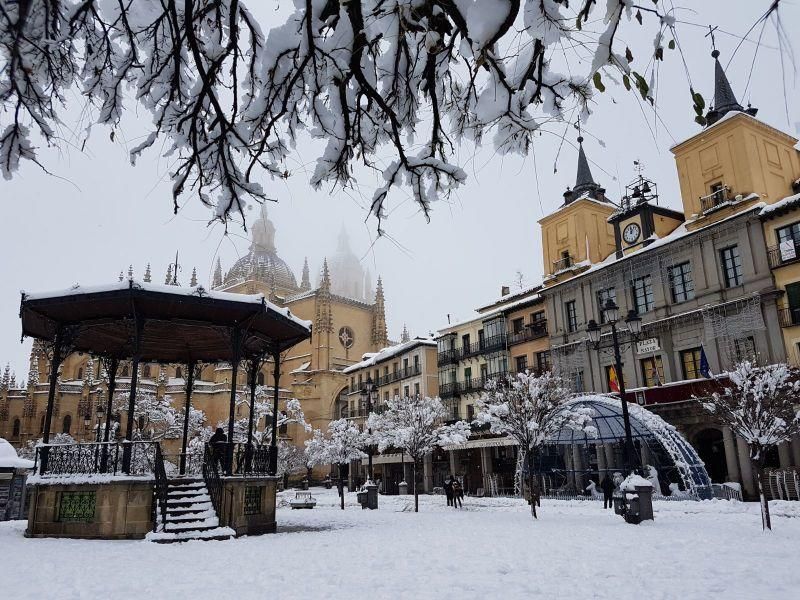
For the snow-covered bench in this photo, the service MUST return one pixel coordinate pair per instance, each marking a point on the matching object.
(303, 500)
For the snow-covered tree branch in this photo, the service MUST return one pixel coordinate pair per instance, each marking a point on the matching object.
(530, 409)
(761, 406)
(415, 426)
(292, 413)
(392, 85)
(343, 443)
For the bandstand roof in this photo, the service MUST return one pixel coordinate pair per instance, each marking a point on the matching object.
(178, 325)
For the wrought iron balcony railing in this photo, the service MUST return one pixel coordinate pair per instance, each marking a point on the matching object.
(563, 263)
(714, 199)
(789, 317)
(783, 255)
(531, 331)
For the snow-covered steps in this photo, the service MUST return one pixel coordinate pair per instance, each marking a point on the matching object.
(190, 514)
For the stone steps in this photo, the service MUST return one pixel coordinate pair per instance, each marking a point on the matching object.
(190, 514)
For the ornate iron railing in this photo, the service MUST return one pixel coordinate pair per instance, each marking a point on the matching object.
(563, 263)
(160, 488)
(778, 256)
(212, 464)
(714, 199)
(95, 457)
(789, 317)
(532, 331)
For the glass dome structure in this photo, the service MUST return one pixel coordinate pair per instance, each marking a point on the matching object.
(573, 458)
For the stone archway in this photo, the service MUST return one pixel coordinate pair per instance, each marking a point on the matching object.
(710, 446)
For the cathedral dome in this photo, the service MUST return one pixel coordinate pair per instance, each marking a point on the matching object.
(262, 262)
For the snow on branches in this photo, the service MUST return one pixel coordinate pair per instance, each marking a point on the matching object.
(292, 413)
(531, 409)
(344, 442)
(229, 101)
(155, 417)
(761, 407)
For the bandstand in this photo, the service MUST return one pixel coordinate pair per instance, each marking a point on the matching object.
(126, 489)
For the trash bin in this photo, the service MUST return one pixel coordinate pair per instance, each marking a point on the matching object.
(619, 503)
(402, 488)
(372, 496)
(328, 483)
(637, 498)
(362, 499)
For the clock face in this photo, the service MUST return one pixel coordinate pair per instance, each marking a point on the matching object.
(631, 233)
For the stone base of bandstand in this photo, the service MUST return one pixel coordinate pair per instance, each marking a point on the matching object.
(247, 517)
(122, 509)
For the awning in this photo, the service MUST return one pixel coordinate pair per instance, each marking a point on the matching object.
(482, 443)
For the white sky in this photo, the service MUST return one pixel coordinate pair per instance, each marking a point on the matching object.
(98, 214)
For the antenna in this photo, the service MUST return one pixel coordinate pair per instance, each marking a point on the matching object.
(710, 33)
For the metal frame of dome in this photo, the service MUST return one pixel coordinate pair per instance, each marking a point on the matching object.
(670, 453)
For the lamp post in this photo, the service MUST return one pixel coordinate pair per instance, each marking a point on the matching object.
(369, 394)
(634, 323)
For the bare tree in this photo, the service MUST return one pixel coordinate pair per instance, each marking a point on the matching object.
(530, 409)
(343, 443)
(415, 425)
(760, 406)
(393, 85)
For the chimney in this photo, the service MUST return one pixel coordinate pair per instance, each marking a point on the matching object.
(505, 290)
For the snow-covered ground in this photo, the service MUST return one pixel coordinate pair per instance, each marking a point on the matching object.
(490, 549)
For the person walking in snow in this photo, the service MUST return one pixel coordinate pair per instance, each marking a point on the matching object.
(608, 491)
(448, 489)
(458, 494)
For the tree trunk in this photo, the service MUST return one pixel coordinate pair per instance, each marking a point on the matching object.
(340, 485)
(766, 523)
(416, 488)
(529, 458)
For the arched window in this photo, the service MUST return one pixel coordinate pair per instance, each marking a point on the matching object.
(126, 372)
(178, 372)
(15, 430)
(79, 374)
(260, 378)
(283, 428)
(66, 424)
(146, 371)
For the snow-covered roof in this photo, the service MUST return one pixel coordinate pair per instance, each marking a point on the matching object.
(373, 358)
(780, 204)
(302, 368)
(9, 458)
(197, 292)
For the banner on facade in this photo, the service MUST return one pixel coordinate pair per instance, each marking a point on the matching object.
(788, 250)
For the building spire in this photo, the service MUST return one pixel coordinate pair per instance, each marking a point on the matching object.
(584, 181)
(305, 284)
(147, 275)
(380, 337)
(193, 281)
(405, 337)
(724, 99)
(168, 278)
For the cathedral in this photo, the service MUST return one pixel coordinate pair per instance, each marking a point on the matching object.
(349, 320)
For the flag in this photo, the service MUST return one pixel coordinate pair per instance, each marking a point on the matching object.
(613, 382)
(704, 370)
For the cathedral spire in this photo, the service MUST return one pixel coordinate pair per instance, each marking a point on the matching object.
(324, 319)
(147, 276)
(130, 271)
(585, 185)
(305, 284)
(168, 278)
(193, 281)
(217, 280)
(121, 276)
(380, 337)
(405, 337)
(724, 99)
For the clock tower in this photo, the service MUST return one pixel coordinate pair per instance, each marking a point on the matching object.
(640, 220)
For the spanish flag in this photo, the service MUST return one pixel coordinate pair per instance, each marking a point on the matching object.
(613, 382)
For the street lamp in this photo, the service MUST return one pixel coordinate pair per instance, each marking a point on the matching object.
(634, 323)
(369, 395)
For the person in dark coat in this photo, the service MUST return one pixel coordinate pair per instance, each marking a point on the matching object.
(448, 489)
(608, 491)
(218, 443)
(458, 494)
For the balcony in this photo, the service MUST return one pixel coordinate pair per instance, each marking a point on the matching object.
(448, 356)
(715, 200)
(787, 254)
(563, 263)
(399, 375)
(497, 342)
(468, 386)
(531, 331)
(789, 317)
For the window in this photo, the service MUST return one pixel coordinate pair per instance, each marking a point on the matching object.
(481, 339)
(495, 329)
(484, 372)
(745, 348)
(127, 373)
(680, 282)
(66, 424)
(521, 363)
(731, 266)
(604, 296)
(465, 342)
(690, 361)
(652, 371)
(146, 371)
(497, 364)
(386, 397)
(396, 392)
(406, 391)
(543, 361)
(517, 325)
(642, 288)
(570, 316)
(284, 427)
(260, 378)
(467, 373)
(538, 317)
(394, 370)
(577, 381)
(178, 373)
(416, 363)
(15, 429)
(416, 389)
(405, 365)
(789, 233)
(470, 412)
(386, 371)
(793, 308)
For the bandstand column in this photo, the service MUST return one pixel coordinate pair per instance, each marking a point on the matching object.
(111, 368)
(55, 363)
(796, 450)
(252, 378)
(731, 462)
(273, 445)
(187, 408)
(128, 449)
(236, 347)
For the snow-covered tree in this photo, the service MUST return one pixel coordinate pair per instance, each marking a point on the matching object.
(761, 407)
(530, 409)
(28, 451)
(292, 412)
(343, 443)
(415, 425)
(156, 418)
(390, 84)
